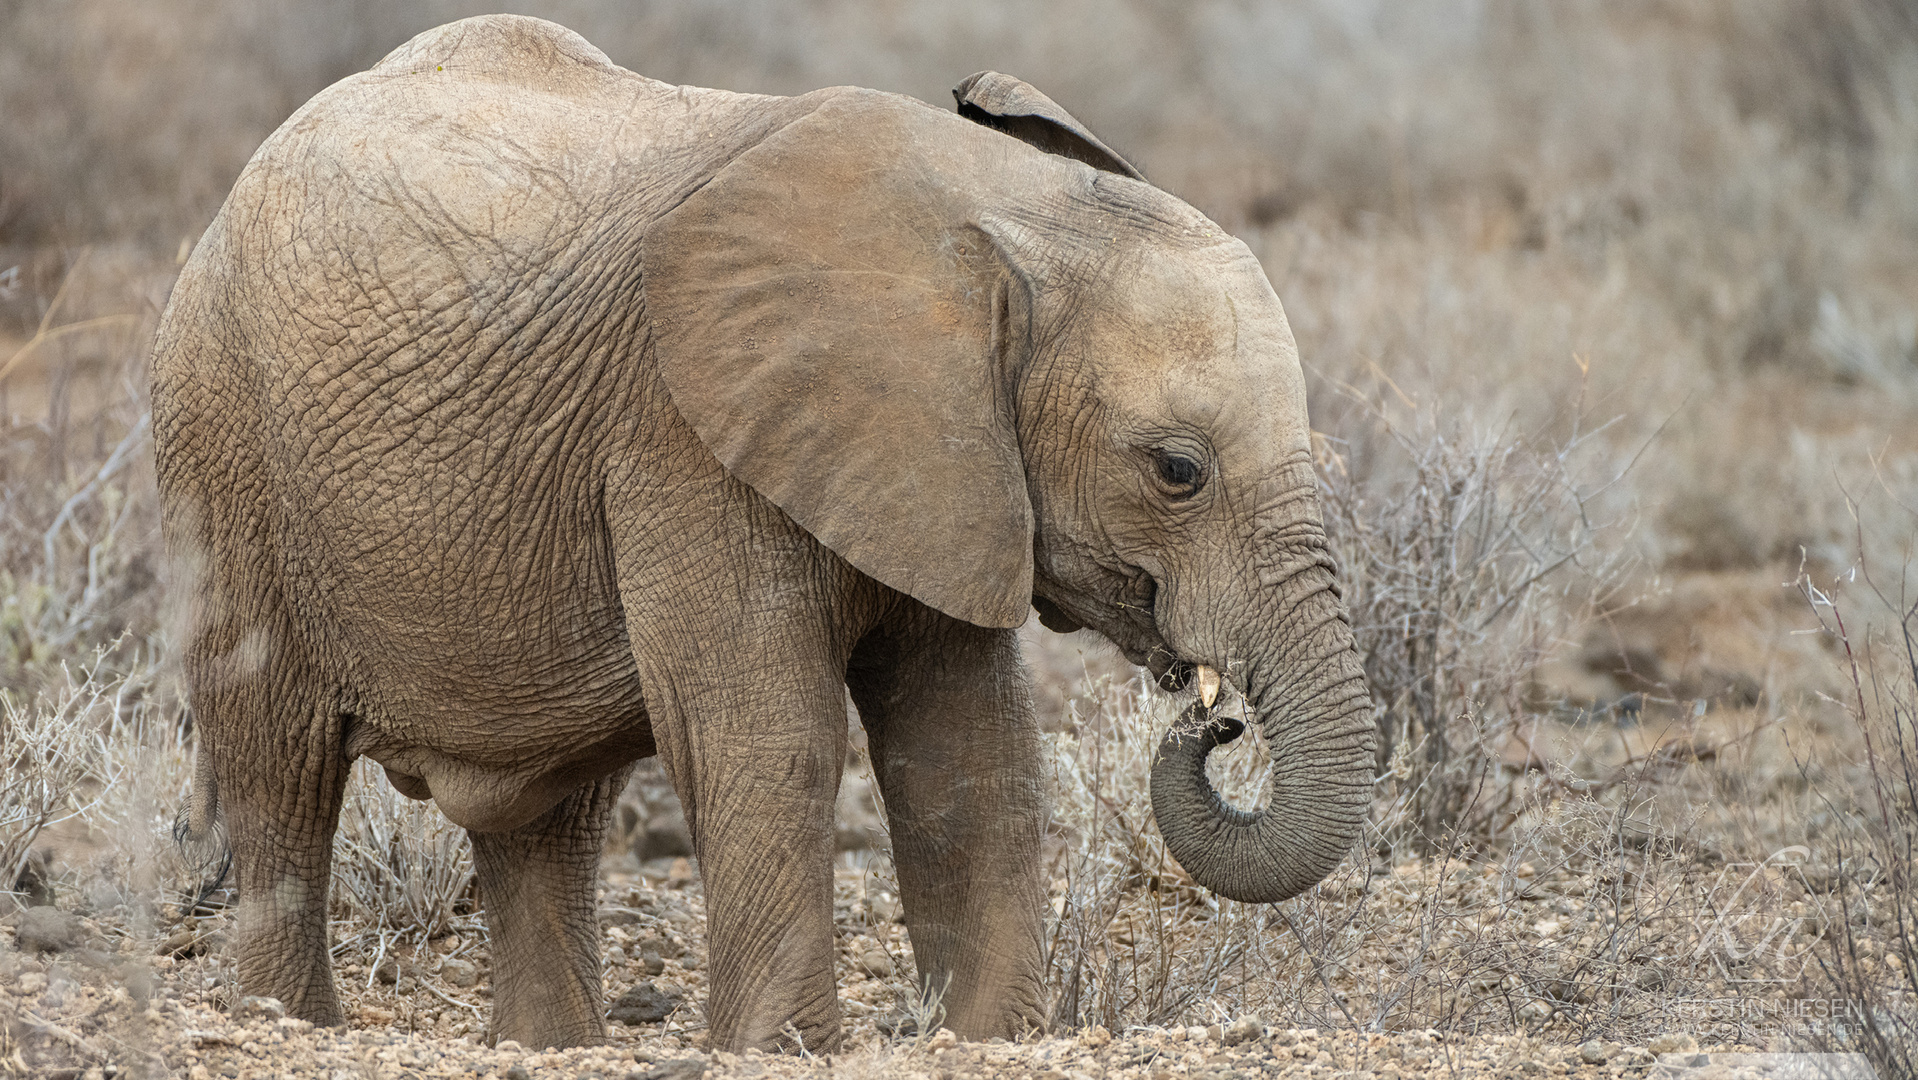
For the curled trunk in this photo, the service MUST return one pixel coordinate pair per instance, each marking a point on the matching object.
(1315, 715)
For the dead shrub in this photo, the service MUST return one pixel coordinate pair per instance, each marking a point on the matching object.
(1464, 564)
(55, 762)
(1869, 959)
(400, 869)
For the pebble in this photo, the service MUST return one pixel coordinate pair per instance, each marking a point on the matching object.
(259, 1008)
(885, 907)
(460, 973)
(393, 968)
(643, 1004)
(874, 962)
(1673, 1043)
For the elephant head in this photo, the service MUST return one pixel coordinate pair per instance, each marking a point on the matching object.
(989, 366)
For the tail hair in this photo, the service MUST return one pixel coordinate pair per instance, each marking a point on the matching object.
(200, 833)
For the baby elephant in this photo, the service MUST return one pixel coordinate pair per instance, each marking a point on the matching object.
(520, 417)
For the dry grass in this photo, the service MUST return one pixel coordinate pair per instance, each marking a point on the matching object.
(57, 764)
(1872, 958)
(1616, 909)
(400, 869)
(1607, 312)
(1462, 578)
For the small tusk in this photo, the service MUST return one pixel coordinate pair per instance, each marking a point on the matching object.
(1208, 684)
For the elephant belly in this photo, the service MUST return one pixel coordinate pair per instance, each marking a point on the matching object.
(492, 799)
(494, 714)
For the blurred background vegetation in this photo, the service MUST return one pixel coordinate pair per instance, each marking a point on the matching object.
(1697, 214)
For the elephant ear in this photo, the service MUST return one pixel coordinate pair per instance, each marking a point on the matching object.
(830, 321)
(1013, 106)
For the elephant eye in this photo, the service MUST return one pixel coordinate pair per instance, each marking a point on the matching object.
(1179, 471)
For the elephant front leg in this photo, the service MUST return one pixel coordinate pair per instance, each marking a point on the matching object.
(758, 775)
(536, 887)
(955, 748)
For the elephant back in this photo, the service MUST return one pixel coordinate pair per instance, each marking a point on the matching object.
(516, 49)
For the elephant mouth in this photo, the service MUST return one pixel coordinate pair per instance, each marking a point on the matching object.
(1177, 675)
(1173, 674)
(1167, 668)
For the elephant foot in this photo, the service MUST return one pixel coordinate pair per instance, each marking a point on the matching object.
(530, 1033)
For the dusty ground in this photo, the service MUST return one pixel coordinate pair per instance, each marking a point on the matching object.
(92, 998)
(97, 1015)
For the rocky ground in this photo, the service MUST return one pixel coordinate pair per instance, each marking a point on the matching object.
(99, 998)
(81, 1016)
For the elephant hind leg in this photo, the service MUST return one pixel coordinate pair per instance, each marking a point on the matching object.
(280, 777)
(537, 890)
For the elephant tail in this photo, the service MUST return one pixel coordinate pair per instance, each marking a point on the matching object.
(199, 832)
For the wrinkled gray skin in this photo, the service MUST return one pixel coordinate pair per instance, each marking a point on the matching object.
(520, 417)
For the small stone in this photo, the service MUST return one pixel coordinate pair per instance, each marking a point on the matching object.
(885, 907)
(1244, 1029)
(259, 1008)
(517, 1072)
(1195, 1034)
(459, 972)
(1595, 1052)
(391, 969)
(943, 1039)
(1536, 1011)
(48, 930)
(643, 1004)
(508, 1046)
(874, 962)
(656, 943)
(179, 943)
(686, 1068)
(1215, 1033)
(1095, 1037)
(1673, 1043)
(650, 962)
(31, 983)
